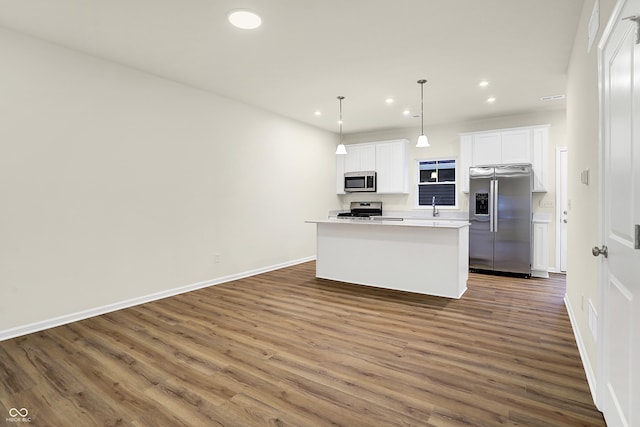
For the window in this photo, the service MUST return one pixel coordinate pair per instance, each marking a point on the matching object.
(437, 178)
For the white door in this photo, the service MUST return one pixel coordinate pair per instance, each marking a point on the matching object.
(619, 346)
(562, 208)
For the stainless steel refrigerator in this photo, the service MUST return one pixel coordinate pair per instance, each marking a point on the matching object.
(500, 213)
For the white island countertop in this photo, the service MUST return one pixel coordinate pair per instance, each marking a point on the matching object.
(441, 223)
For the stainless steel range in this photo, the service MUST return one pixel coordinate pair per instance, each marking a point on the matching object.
(366, 211)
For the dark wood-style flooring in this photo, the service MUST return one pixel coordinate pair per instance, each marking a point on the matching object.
(286, 349)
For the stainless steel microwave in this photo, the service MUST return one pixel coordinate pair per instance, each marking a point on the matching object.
(360, 182)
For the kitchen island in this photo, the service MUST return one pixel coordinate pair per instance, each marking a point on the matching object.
(424, 256)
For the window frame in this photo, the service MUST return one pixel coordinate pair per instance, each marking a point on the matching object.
(455, 183)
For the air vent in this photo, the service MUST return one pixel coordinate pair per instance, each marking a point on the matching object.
(552, 98)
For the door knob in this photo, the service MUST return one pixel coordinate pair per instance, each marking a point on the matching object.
(600, 251)
(564, 220)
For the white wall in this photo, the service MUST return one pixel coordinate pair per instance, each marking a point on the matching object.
(445, 142)
(115, 184)
(583, 140)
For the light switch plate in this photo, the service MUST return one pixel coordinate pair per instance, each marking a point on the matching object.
(584, 177)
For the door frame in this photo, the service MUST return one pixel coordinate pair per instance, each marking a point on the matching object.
(600, 324)
(602, 362)
(558, 221)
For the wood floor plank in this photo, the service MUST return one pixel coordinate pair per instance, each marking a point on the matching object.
(284, 348)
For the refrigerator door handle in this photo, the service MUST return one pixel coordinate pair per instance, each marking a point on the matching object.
(495, 207)
(491, 206)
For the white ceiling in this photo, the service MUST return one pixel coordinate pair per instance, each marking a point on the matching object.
(307, 53)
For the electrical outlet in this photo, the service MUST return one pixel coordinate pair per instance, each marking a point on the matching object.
(548, 204)
(216, 258)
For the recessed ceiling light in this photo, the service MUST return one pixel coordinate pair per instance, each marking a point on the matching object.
(389, 100)
(491, 100)
(406, 112)
(483, 83)
(318, 113)
(244, 19)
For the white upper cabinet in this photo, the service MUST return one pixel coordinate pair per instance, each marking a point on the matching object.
(516, 146)
(360, 157)
(392, 166)
(539, 158)
(340, 174)
(487, 149)
(388, 158)
(466, 155)
(502, 147)
(506, 146)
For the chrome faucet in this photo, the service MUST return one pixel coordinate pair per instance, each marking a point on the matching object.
(435, 210)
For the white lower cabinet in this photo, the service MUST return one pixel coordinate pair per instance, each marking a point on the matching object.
(540, 261)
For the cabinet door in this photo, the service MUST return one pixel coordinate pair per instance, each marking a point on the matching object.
(487, 149)
(360, 157)
(368, 157)
(391, 167)
(466, 161)
(340, 174)
(516, 146)
(539, 158)
(508, 146)
(540, 259)
(352, 159)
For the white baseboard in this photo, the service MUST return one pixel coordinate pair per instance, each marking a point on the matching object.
(588, 369)
(85, 314)
(543, 274)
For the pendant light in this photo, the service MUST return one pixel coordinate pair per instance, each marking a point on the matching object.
(341, 148)
(422, 139)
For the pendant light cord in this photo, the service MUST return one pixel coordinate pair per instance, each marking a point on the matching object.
(423, 141)
(422, 82)
(340, 98)
(422, 107)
